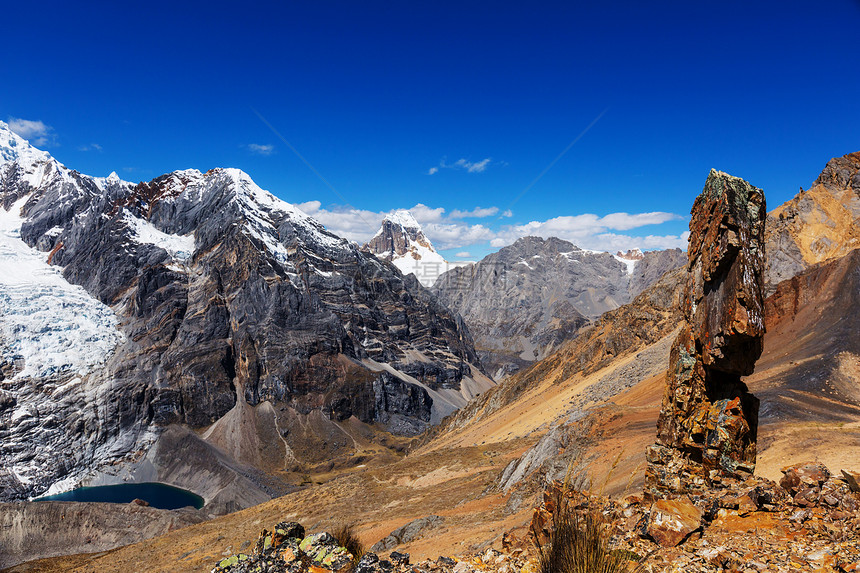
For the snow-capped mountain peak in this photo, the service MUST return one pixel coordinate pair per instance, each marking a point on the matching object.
(401, 241)
(404, 218)
(629, 259)
(14, 147)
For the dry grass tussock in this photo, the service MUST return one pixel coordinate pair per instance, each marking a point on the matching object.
(346, 537)
(579, 540)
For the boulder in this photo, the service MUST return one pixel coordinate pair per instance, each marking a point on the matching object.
(672, 521)
(805, 475)
(412, 530)
(852, 479)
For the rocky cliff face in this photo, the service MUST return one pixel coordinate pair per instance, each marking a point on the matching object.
(522, 302)
(708, 417)
(199, 299)
(819, 224)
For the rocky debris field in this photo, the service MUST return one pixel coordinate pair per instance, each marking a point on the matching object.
(809, 521)
(287, 549)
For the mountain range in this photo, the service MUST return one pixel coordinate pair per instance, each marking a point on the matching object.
(198, 300)
(523, 301)
(198, 331)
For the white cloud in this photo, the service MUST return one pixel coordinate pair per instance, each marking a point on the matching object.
(261, 149)
(626, 221)
(456, 234)
(463, 255)
(477, 167)
(477, 212)
(424, 214)
(590, 231)
(357, 225)
(507, 213)
(462, 164)
(34, 131)
(449, 231)
(90, 147)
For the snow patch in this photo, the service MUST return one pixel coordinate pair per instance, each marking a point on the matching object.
(180, 247)
(629, 263)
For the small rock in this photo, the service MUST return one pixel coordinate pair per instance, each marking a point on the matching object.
(853, 480)
(806, 497)
(808, 474)
(672, 521)
(367, 563)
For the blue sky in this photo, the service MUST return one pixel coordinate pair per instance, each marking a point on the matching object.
(486, 95)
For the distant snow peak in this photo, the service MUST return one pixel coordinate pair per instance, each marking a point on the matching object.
(401, 241)
(630, 258)
(632, 255)
(404, 218)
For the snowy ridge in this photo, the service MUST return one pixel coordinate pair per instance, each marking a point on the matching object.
(29, 164)
(14, 147)
(54, 326)
(258, 202)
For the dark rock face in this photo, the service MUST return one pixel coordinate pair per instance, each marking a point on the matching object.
(523, 301)
(225, 298)
(708, 416)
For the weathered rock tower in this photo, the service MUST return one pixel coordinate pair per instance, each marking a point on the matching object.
(708, 420)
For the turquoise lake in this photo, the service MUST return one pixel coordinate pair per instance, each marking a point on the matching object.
(158, 495)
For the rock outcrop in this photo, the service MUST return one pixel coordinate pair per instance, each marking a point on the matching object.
(708, 420)
(522, 302)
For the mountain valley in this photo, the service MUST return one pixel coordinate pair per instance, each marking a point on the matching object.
(238, 349)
